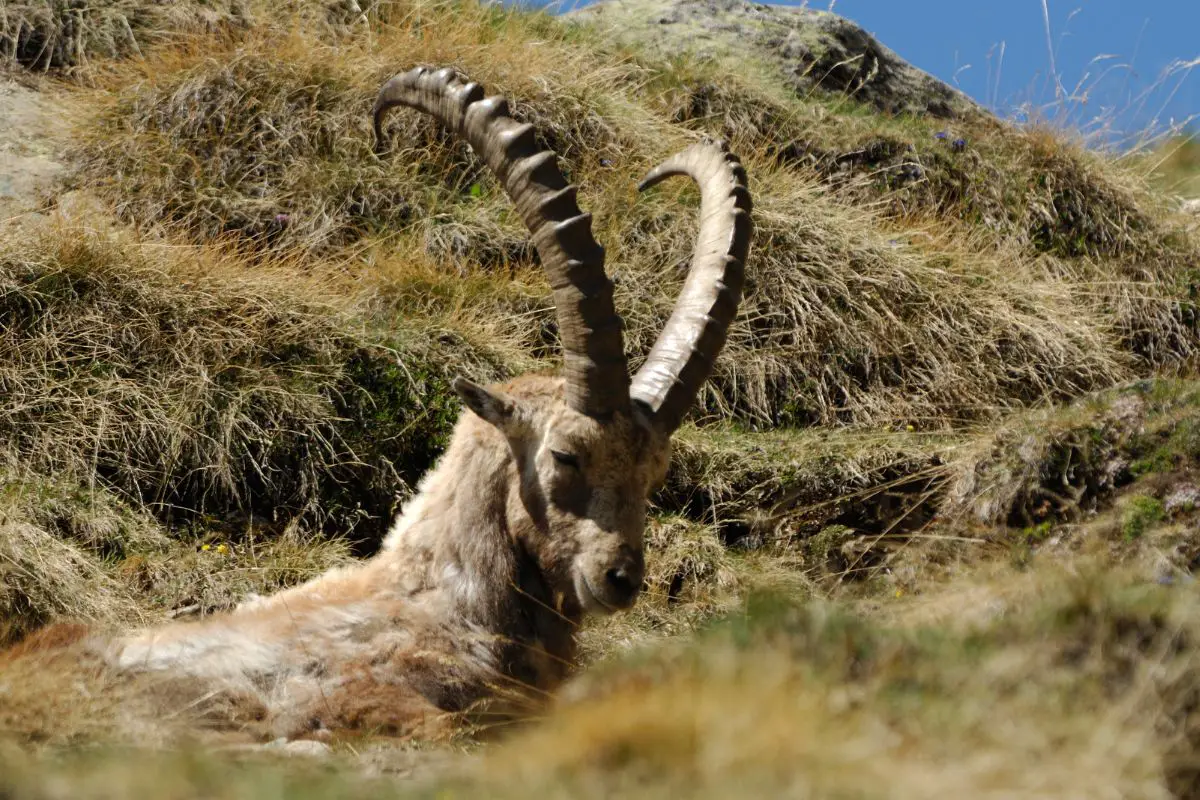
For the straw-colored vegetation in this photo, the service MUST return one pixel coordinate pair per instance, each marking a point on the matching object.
(930, 532)
(1174, 166)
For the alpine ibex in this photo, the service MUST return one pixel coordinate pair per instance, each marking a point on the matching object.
(534, 515)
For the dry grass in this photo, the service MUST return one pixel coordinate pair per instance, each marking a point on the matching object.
(183, 383)
(167, 386)
(1079, 690)
(861, 312)
(1035, 187)
(784, 486)
(234, 380)
(197, 578)
(1174, 165)
(43, 578)
(1070, 686)
(1061, 463)
(60, 34)
(58, 542)
(68, 552)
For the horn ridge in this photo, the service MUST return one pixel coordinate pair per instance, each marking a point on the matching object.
(683, 355)
(594, 364)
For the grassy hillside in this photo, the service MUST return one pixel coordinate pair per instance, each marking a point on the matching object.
(930, 531)
(1174, 166)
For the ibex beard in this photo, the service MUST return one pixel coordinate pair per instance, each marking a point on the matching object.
(533, 517)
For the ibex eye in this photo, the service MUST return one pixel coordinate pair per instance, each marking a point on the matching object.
(566, 459)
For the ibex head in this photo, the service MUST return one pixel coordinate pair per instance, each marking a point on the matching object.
(590, 447)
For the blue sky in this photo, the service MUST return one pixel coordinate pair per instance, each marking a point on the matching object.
(1121, 51)
(960, 42)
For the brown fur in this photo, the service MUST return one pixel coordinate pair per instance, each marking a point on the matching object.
(56, 637)
(469, 612)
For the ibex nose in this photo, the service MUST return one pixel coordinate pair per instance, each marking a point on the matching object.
(625, 578)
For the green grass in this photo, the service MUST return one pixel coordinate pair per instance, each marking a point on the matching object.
(1140, 515)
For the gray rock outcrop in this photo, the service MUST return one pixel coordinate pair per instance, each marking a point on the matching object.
(811, 50)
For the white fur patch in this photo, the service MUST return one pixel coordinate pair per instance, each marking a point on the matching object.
(412, 513)
(223, 652)
(461, 584)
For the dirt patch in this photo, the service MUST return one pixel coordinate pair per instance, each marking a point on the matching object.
(30, 146)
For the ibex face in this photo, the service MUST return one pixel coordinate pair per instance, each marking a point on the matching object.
(590, 446)
(583, 488)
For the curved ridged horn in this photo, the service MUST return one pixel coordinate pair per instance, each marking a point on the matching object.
(597, 376)
(683, 356)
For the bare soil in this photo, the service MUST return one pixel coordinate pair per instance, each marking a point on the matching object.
(30, 146)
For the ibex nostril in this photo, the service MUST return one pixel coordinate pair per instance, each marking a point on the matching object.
(622, 582)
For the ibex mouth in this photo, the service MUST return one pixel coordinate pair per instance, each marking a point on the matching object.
(589, 598)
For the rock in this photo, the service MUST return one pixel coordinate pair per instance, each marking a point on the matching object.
(1184, 498)
(811, 50)
(300, 747)
(30, 134)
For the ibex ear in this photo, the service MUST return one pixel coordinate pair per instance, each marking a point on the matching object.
(495, 407)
